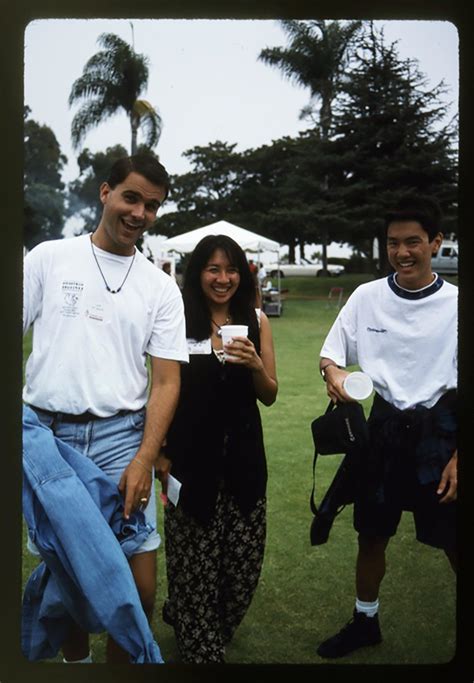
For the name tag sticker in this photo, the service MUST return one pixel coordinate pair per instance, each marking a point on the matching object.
(97, 312)
(199, 347)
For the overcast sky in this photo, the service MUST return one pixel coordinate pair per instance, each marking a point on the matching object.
(205, 79)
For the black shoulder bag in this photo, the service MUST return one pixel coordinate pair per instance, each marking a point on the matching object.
(342, 429)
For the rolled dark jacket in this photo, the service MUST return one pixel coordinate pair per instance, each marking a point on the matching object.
(428, 436)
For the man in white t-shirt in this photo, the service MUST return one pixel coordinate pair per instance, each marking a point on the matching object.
(402, 332)
(99, 308)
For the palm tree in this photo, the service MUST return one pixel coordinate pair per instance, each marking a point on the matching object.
(316, 58)
(113, 79)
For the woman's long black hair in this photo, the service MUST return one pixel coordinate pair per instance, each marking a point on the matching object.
(242, 304)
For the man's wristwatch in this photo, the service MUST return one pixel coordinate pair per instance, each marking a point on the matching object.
(323, 369)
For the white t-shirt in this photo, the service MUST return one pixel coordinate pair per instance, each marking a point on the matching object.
(405, 341)
(89, 345)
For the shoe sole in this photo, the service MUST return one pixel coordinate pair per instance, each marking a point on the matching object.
(338, 656)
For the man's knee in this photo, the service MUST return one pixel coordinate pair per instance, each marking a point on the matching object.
(372, 545)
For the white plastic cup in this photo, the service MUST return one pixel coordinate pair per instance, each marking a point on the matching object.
(228, 333)
(358, 385)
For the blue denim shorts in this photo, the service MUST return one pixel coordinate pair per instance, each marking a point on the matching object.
(111, 443)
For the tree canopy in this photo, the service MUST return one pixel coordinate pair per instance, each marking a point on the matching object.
(379, 132)
(316, 57)
(387, 137)
(84, 191)
(114, 79)
(388, 140)
(44, 201)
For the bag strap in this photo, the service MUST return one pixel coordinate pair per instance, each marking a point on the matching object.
(314, 509)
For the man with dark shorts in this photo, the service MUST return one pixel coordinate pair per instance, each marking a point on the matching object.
(401, 331)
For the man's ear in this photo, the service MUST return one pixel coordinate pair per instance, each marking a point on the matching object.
(436, 243)
(104, 192)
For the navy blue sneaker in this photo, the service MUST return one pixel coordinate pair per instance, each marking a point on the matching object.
(360, 631)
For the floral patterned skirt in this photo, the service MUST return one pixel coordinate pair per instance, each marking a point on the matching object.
(213, 572)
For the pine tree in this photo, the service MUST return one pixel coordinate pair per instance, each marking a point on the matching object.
(389, 139)
(316, 57)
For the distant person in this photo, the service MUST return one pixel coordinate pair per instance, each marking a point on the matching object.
(215, 537)
(402, 331)
(98, 309)
(254, 272)
(253, 267)
(261, 278)
(166, 267)
(261, 275)
(268, 285)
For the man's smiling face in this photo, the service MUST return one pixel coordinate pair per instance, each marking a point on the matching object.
(409, 253)
(130, 209)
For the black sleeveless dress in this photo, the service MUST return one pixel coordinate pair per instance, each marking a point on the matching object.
(215, 440)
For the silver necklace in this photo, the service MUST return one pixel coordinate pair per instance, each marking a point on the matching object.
(112, 291)
(219, 327)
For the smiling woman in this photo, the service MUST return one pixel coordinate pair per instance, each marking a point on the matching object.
(215, 445)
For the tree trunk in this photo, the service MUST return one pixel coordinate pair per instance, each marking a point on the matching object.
(384, 266)
(324, 233)
(134, 127)
(324, 255)
(291, 251)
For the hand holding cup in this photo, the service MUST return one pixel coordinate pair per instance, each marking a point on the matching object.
(229, 332)
(358, 385)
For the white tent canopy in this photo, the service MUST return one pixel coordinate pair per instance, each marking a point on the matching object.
(248, 240)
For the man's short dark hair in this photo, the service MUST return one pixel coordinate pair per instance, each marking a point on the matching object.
(425, 210)
(146, 165)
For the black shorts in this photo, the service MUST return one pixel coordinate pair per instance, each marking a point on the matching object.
(435, 522)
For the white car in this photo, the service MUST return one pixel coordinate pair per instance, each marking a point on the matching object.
(303, 267)
(446, 260)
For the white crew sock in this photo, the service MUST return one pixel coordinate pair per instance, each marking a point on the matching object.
(86, 660)
(370, 609)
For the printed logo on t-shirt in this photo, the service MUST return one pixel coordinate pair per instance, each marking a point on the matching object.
(72, 292)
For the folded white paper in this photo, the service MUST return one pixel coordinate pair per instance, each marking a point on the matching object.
(173, 489)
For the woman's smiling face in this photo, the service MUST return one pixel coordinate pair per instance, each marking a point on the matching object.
(220, 279)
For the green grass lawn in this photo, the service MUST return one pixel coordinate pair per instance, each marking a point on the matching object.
(307, 593)
(319, 287)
